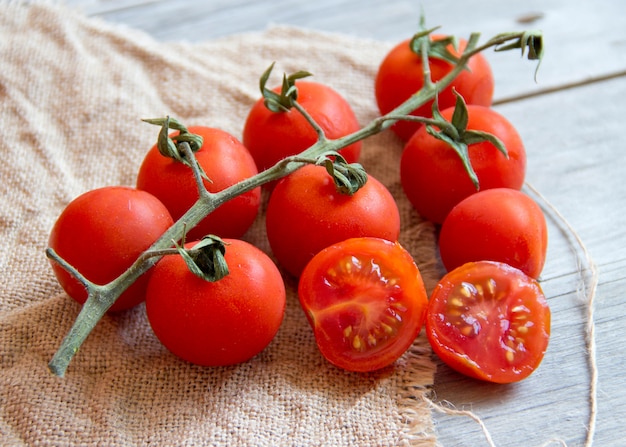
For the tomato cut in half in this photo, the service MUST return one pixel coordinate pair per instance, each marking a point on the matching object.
(489, 321)
(365, 300)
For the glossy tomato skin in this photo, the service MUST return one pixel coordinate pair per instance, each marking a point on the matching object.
(497, 224)
(217, 323)
(365, 300)
(400, 75)
(307, 213)
(489, 321)
(272, 136)
(101, 233)
(434, 178)
(226, 161)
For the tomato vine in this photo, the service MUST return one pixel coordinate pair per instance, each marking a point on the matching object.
(101, 297)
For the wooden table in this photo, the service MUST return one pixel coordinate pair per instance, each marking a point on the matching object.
(572, 124)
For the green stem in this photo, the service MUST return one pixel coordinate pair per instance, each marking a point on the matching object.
(321, 136)
(101, 297)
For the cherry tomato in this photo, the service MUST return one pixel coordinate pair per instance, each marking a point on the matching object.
(365, 300)
(272, 136)
(307, 213)
(226, 161)
(489, 321)
(217, 323)
(432, 173)
(400, 75)
(498, 224)
(101, 233)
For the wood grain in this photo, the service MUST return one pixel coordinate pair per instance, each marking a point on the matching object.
(572, 124)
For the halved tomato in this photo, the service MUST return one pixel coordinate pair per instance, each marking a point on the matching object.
(490, 321)
(365, 300)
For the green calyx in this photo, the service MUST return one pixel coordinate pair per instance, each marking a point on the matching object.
(283, 101)
(170, 145)
(456, 134)
(206, 258)
(348, 177)
(437, 49)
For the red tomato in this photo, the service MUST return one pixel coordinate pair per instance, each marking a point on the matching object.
(432, 173)
(272, 136)
(307, 213)
(217, 323)
(365, 300)
(489, 321)
(400, 75)
(498, 224)
(226, 162)
(101, 233)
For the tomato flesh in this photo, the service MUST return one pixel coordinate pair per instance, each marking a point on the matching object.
(489, 321)
(365, 300)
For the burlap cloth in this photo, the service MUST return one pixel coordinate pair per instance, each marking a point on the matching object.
(72, 93)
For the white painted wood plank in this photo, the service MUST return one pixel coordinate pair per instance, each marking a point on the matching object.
(99, 7)
(583, 39)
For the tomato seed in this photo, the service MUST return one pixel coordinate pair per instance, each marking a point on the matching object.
(465, 291)
(509, 356)
(388, 329)
(357, 343)
(457, 302)
(467, 330)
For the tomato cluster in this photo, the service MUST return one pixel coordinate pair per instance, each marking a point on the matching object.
(462, 167)
(488, 317)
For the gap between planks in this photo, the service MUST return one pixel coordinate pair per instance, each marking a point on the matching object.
(559, 88)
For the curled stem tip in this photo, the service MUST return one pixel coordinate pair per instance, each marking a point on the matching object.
(529, 42)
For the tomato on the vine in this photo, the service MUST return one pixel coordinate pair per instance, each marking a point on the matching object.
(365, 300)
(400, 75)
(434, 177)
(101, 233)
(217, 323)
(499, 224)
(225, 161)
(271, 136)
(306, 213)
(489, 321)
